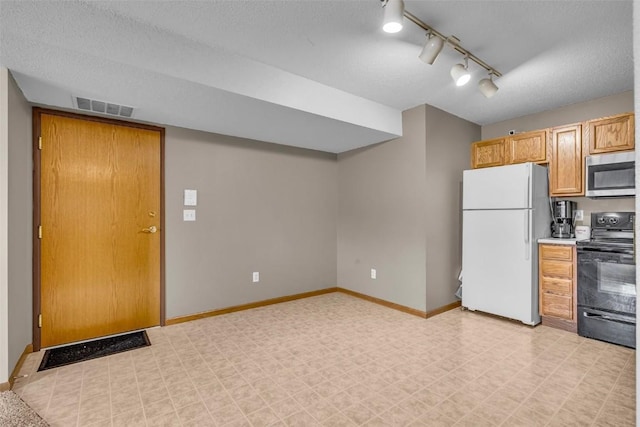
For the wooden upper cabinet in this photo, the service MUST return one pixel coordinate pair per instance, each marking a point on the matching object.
(611, 134)
(527, 147)
(566, 165)
(488, 153)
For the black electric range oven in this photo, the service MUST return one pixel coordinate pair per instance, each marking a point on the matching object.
(607, 280)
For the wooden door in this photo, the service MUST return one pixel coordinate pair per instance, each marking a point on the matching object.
(100, 213)
(567, 161)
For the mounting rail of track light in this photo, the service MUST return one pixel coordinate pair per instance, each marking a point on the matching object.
(395, 11)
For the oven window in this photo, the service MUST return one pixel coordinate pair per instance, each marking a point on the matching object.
(616, 278)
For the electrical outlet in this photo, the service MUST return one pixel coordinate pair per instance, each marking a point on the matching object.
(579, 215)
(189, 214)
(374, 273)
(256, 276)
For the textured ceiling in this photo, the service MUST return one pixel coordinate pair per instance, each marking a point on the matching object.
(315, 74)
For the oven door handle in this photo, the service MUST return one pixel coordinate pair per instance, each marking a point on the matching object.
(613, 250)
(606, 318)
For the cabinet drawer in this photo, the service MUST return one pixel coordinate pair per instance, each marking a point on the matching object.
(558, 252)
(560, 269)
(557, 286)
(557, 305)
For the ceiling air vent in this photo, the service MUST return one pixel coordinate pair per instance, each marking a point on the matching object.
(103, 107)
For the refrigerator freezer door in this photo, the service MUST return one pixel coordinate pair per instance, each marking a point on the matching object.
(502, 187)
(498, 261)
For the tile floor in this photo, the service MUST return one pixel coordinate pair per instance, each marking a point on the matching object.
(335, 360)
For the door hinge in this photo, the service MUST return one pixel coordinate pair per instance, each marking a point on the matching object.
(39, 143)
(39, 232)
(40, 321)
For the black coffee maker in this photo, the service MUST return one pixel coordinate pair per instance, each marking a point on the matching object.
(563, 224)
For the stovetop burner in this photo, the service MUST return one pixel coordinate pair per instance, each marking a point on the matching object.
(610, 232)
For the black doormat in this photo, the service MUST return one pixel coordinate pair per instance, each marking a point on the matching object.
(93, 349)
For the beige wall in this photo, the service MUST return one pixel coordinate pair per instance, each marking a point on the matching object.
(4, 226)
(261, 207)
(381, 221)
(601, 107)
(448, 146)
(636, 69)
(607, 106)
(399, 211)
(20, 223)
(602, 205)
(302, 219)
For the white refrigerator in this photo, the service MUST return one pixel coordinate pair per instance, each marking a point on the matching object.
(505, 210)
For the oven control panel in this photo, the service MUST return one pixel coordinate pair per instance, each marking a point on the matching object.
(614, 220)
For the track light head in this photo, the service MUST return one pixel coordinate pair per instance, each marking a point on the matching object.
(460, 73)
(487, 87)
(431, 50)
(393, 15)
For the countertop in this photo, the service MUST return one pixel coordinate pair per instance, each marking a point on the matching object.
(555, 241)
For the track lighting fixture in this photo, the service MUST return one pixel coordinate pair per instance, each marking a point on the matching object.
(487, 86)
(393, 15)
(431, 49)
(460, 73)
(394, 12)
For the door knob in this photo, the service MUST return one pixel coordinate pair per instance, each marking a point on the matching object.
(151, 229)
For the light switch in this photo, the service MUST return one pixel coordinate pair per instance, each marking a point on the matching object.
(189, 214)
(190, 198)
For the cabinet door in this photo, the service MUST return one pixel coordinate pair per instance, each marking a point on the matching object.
(487, 153)
(611, 134)
(527, 147)
(567, 162)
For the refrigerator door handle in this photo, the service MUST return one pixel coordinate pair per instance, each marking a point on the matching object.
(527, 194)
(527, 246)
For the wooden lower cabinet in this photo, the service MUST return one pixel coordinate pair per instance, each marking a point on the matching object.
(557, 285)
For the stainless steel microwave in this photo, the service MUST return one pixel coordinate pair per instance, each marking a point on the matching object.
(611, 175)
